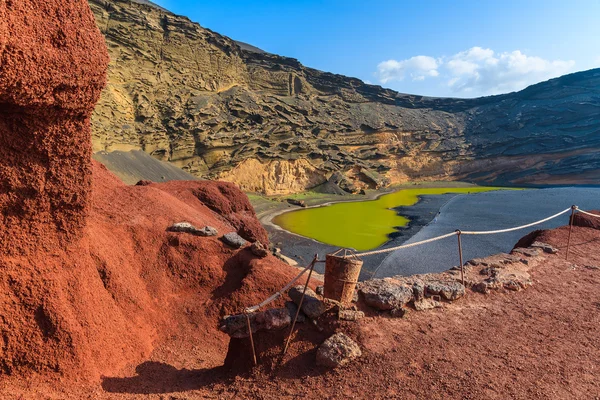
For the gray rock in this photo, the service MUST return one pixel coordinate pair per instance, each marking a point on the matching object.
(293, 308)
(447, 290)
(592, 267)
(186, 227)
(259, 250)
(350, 315)
(384, 295)
(418, 290)
(234, 240)
(312, 306)
(236, 326)
(545, 247)
(529, 252)
(337, 351)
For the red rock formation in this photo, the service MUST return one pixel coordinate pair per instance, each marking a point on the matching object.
(90, 280)
(588, 221)
(52, 69)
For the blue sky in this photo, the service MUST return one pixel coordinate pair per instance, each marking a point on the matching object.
(437, 48)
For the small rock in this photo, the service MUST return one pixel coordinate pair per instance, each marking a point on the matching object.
(545, 247)
(337, 351)
(144, 182)
(426, 304)
(350, 315)
(312, 306)
(234, 240)
(398, 312)
(447, 290)
(384, 295)
(186, 227)
(320, 290)
(512, 285)
(299, 203)
(258, 249)
(592, 267)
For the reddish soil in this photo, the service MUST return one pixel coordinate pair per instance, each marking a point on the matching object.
(537, 343)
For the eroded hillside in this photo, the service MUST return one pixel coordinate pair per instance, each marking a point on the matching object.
(222, 109)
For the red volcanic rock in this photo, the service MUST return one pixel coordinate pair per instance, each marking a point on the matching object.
(90, 281)
(581, 219)
(52, 69)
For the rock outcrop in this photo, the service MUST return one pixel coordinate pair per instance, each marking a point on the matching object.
(218, 108)
(51, 76)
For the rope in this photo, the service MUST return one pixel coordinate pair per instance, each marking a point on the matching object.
(517, 227)
(279, 293)
(404, 246)
(588, 213)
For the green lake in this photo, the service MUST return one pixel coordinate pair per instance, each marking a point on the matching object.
(361, 225)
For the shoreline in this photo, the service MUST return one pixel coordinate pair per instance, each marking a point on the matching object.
(301, 249)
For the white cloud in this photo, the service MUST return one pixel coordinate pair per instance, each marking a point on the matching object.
(417, 68)
(477, 71)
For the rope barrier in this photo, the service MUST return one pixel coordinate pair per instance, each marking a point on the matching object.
(517, 227)
(588, 213)
(279, 293)
(405, 246)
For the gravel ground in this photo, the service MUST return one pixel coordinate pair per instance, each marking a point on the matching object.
(484, 211)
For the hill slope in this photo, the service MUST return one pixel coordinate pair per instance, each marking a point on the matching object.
(188, 95)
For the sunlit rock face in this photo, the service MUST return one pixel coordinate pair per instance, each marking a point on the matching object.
(219, 108)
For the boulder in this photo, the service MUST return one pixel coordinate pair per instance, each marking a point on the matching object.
(450, 291)
(186, 227)
(259, 250)
(236, 326)
(312, 306)
(234, 240)
(384, 295)
(337, 351)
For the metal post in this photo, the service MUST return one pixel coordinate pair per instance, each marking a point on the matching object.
(460, 257)
(251, 339)
(312, 267)
(573, 208)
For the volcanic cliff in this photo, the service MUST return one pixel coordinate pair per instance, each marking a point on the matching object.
(223, 109)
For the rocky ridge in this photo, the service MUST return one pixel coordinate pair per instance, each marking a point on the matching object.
(224, 109)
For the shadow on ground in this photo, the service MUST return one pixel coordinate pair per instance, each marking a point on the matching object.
(156, 377)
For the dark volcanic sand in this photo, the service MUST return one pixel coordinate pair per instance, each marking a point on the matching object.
(303, 249)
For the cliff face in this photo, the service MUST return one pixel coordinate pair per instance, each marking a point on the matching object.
(222, 109)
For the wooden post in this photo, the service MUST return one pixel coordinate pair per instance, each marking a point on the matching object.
(573, 208)
(251, 339)
(312, 267)
(460, 257)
